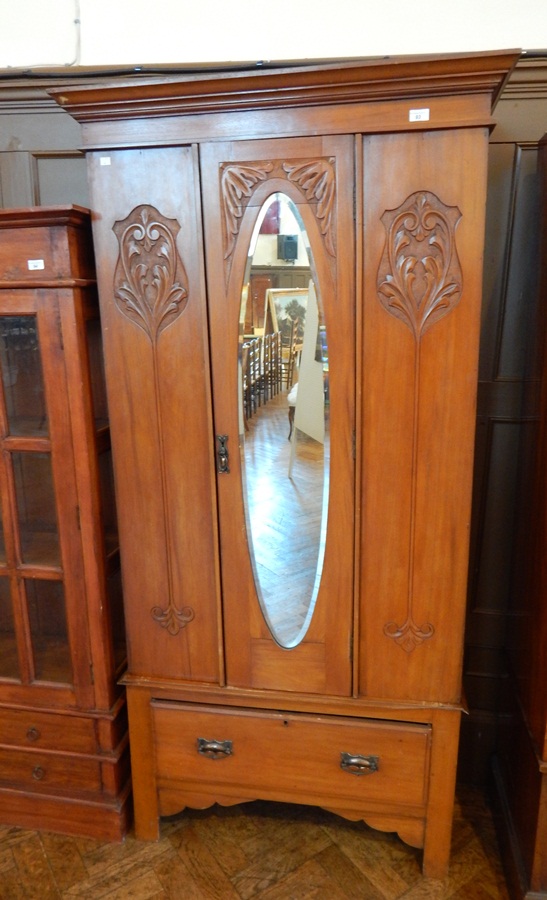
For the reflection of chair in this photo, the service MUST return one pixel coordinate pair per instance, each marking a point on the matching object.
(276, 374)
(289, 351)
(246, 410)
(255, 371)
(267, 367)
(251, 362)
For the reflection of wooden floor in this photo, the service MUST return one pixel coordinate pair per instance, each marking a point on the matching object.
(286, 515)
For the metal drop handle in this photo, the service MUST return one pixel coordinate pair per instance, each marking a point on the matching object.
(359, 765)
(214, 749)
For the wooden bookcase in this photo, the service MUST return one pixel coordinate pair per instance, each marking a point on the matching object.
(64, 762)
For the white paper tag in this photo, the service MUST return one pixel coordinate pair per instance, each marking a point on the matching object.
(418, 115)
(35, 264)
(104, 161)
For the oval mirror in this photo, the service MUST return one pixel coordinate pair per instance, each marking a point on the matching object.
(284, 416)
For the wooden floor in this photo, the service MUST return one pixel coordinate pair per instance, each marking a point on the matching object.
(256, 850)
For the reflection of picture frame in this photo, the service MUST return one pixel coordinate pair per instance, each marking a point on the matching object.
(283, 306)
(270, 314)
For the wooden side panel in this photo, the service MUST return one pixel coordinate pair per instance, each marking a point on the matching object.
(528, 636)
(16, 180)
(423, 233)
(60, 177)
(66, 488)
(155, 341)
(520, 766)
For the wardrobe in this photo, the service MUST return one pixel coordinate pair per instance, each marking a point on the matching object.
(381, 163)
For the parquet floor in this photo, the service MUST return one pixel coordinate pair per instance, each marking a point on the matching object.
(256, 851)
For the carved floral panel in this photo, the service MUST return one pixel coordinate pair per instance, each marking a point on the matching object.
(420, 278)
(149, 281)
(316, 179)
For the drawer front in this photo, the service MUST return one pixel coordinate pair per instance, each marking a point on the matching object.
(292, 755)
(43, 771)
(47, 731)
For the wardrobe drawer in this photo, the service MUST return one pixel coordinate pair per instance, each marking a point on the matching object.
(47, 731)
(315, 759)
(48, 770)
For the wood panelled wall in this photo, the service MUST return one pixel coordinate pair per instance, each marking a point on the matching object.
(507, 404)
(40, 164)
(40, 160)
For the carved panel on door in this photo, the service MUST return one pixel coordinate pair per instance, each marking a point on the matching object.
(308, 174)
(421, 307)
(149, 289)
(419, 282)
(155, 329)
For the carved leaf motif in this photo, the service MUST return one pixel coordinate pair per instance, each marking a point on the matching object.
(317, 181)
(420, 277)
(409, 635)
(237, 185)
(171, 618)
(149, 281)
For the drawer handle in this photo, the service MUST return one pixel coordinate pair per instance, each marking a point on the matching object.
(359, 765)
(33, 734)
(214, 749)
(38, 773)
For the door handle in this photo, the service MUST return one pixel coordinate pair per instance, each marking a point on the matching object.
(223, 460)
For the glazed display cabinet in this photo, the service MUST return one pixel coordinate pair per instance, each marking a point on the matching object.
(295, 609)
(63, 723)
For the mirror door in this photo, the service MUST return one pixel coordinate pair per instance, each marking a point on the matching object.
(279, 214)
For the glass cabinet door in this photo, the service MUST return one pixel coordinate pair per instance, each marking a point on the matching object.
(34, 642)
